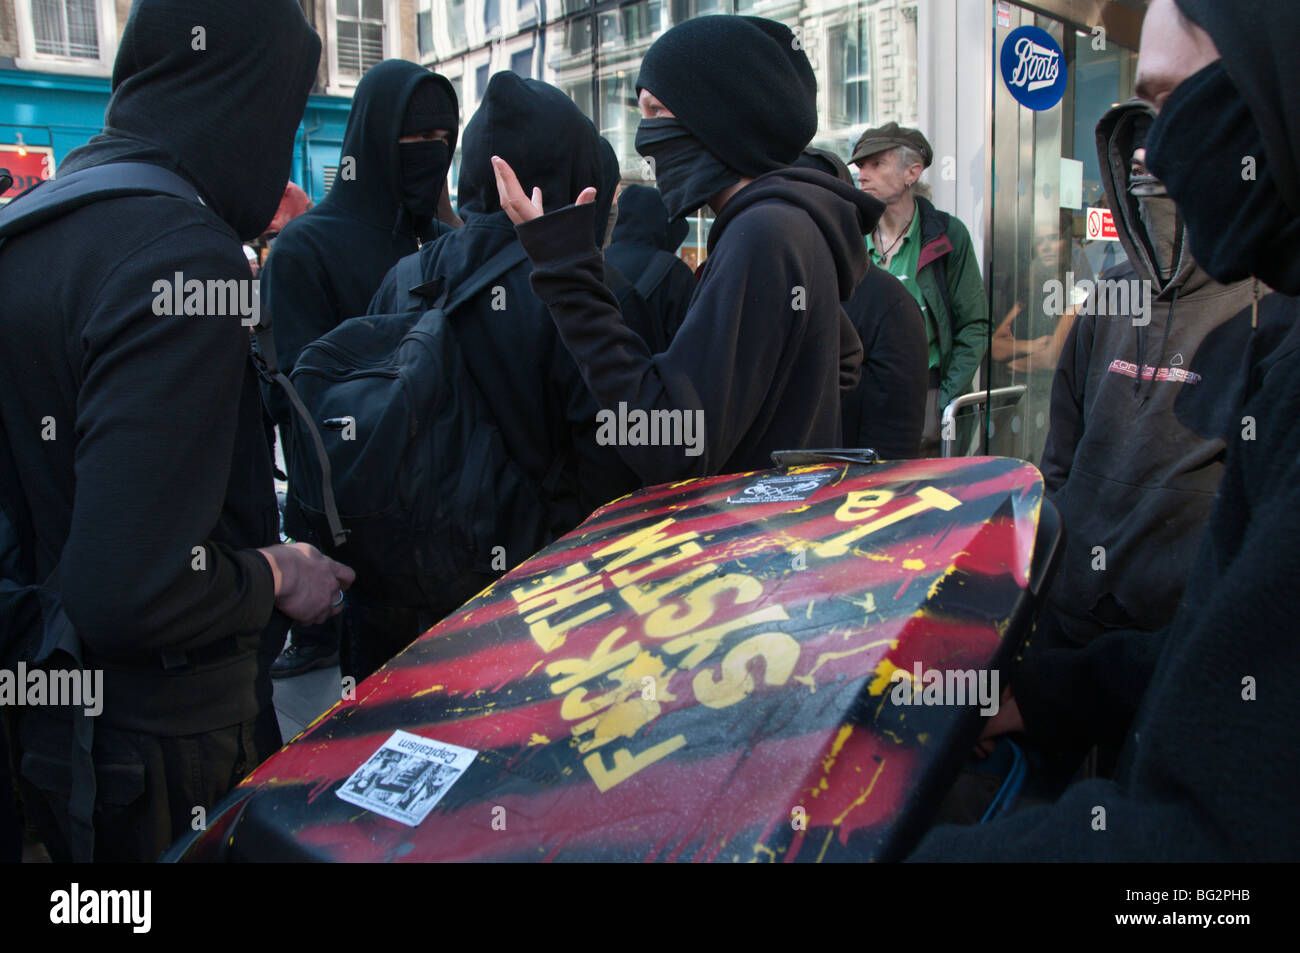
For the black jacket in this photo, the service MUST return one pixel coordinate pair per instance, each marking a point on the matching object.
(640, 237)
(530, 383)
(765, 345)
(886, 411)
(156, 487)
(328, 262)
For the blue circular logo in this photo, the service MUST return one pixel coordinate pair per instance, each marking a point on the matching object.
(1033, 67)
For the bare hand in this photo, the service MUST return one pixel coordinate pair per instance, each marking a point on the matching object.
(1007, 721)
(308, 584)
(516, 204)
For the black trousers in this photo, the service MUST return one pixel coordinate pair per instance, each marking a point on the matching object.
(150, 789)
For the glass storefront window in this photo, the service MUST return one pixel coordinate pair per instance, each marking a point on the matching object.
(1045, 176)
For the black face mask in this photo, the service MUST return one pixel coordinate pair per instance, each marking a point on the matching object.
(424, 175)
(1237, 224)
(686, 173)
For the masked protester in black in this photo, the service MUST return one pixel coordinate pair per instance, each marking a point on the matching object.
(151, 503)
(763, 346)
(641, 239)
(327, 264)
(886, 411)
(531, 386)
(1204, 708)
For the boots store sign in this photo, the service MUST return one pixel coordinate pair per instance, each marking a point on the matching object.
(1033, 68)
(27, 164)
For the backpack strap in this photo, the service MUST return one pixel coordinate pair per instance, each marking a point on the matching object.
(66, 193)
(654, 274)
(496, 266)
(267, 364)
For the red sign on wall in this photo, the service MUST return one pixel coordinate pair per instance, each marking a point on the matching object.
(27, 164)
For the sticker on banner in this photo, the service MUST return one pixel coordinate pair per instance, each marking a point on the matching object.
(1033, 68)
(406, 777)
(1101, 225)
(784, 489)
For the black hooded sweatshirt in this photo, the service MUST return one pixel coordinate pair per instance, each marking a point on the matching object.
(327, 263)
(149, 502)
(531, 385)
(641, 237)
(765, 346)
(1205, 707)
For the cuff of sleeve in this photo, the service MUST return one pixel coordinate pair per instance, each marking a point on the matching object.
(556, 236)
(261, 585)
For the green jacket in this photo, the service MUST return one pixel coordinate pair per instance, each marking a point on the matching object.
(961, 316)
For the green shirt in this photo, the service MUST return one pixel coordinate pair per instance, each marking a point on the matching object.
(903, 267)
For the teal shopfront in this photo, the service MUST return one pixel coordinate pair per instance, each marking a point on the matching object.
(46, 114)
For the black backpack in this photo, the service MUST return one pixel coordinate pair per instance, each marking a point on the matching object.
(433, 502)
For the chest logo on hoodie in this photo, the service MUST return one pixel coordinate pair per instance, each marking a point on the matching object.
(1033, 68)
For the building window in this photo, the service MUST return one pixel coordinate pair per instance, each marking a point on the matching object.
(66, 28)
(424, 31)
(850, 62)
(522, 63)
(360, 35)
(685, 9)
(491, 15)
(456, 31)
(481, 81)
(642, 21)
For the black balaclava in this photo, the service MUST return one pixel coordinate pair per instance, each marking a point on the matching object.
(425, 164)
(392, 185)
(1239, 115)
(199, 103)
(686, 173)
(724, 126)
(703, 70)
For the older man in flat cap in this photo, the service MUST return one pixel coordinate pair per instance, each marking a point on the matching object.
(931, 253)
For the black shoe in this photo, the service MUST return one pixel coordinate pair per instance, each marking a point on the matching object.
(297, 659)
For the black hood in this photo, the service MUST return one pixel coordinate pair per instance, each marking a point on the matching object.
(539, 131)
(642, 217)
(842, 213)
(374, 192)
(1257, 41)
(221, 106)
